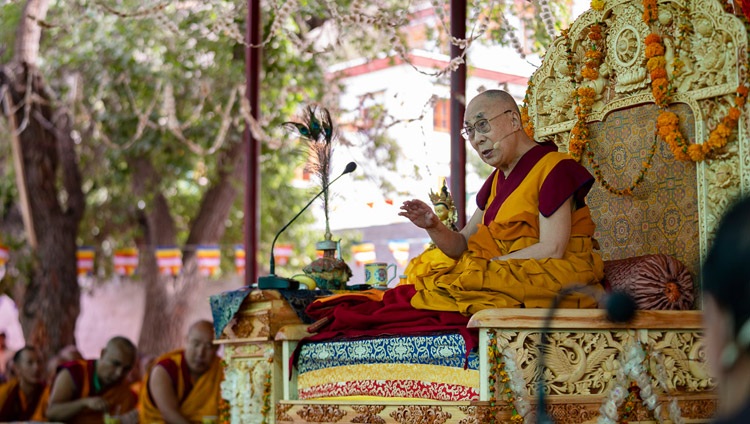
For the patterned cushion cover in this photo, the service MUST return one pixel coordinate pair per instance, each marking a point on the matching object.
(655, 281)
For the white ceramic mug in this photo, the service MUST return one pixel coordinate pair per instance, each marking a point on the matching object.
(376, 274)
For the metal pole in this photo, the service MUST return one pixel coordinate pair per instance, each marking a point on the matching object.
(252, 186)
(458, 106)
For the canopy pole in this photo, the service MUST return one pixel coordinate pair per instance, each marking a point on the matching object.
(252, 151)
(458, 106)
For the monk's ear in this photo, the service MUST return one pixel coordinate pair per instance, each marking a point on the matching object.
(104, 351)
(516, 120)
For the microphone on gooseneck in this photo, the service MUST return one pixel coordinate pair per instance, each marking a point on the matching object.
(621, 308)
(272, 281)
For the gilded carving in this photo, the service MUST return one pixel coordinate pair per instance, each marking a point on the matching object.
(368, 414)
(281, 413)
(321, 413)
(706, 58)
(570, 413)
(586, 363)
(684, 362)
(476, 415)
(625, 49)
(420, 414)
(698, 409)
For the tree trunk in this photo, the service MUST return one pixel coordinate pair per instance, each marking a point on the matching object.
(49, 305)
(168, 299)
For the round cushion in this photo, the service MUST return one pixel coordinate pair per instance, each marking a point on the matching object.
(654, 281)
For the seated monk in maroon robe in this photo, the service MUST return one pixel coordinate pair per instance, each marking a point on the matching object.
(85, 390)
(20, 395)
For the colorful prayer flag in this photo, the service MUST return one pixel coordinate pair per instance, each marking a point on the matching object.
(85, 260)
(282, 253)
(400, 251)
(239, 259)
(209, 260)
(4, 256)
(126, 261)
(364, 253)
(169, 260)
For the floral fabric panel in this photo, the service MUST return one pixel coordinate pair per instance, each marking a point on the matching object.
(426, 367)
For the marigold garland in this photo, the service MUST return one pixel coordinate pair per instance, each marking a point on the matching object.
(597, 5)
(638, 180)
(267, 394)
(499, 374)
(667, 123)
(528, 125)
(579, 134)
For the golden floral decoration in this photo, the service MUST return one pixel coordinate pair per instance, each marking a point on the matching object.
(667, 123)
(650, 12)
(597, 5)
(528, 125)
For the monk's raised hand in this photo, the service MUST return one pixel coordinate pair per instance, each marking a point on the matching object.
(419, 213)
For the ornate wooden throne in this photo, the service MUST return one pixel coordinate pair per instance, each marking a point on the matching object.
(650, 96)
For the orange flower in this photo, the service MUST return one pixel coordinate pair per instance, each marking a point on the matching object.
(695, 152)
(658, 73)
(586, 92)
(714, 141)
(594, 55)
(667, 118)
(656, 62)
(590, 73)
(734, 114)
(672, 139)
(654, 49)
(722, 130)
(652, 38)
(649, 11)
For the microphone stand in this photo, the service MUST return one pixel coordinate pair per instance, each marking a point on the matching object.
(620, 308)
(541, 407)
(273, 281)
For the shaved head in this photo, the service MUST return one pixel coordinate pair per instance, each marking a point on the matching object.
(200, 350)
(119, 342)
(202, 326)
(499, 97)
(116, 360)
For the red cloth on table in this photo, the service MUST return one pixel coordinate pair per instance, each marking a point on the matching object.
(355, 317)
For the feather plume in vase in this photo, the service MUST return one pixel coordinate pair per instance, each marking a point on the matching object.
(317, 129)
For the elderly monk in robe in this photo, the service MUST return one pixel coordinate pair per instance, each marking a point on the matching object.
(85, 390)
(21, 394)
(183, 385)
(530, 236)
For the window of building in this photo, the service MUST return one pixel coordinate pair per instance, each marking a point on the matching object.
(441, 117)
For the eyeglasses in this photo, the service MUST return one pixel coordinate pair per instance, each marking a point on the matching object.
(482, 126)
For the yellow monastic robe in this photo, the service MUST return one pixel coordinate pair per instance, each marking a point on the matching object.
(197, 400)
(474, 282)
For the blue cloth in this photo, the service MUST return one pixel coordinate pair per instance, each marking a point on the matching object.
(439, 349)
(224, 305)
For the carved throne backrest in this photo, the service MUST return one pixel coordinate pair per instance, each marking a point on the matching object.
(677, 203)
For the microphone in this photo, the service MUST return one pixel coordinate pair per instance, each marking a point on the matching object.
(621, 308)
(272, 281)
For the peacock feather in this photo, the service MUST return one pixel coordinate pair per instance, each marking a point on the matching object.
(316, 128)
